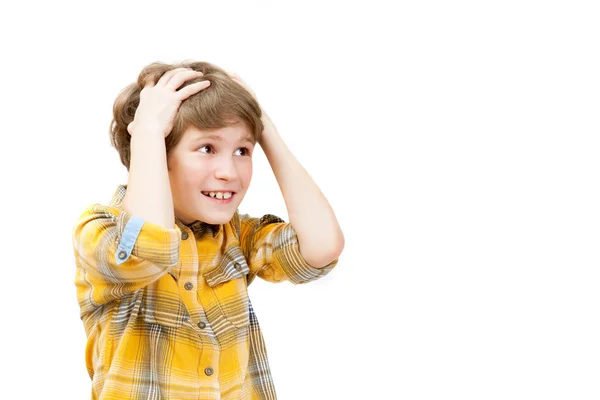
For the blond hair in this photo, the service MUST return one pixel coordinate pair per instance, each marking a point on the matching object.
(223, 103)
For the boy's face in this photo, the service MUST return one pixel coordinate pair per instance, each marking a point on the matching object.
(216, 160)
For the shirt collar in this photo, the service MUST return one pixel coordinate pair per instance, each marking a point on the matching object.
(199, 228)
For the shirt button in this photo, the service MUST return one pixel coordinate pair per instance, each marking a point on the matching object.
(188, 286)
(208, 371)
(184, 235)
(122, 254)
(201, 325)
(238, 266)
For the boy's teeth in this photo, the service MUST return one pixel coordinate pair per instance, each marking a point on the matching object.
(219, 195)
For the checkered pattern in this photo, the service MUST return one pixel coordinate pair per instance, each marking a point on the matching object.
(166, 311)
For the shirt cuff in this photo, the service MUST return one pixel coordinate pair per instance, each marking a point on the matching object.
(286, 254)
(146, 240)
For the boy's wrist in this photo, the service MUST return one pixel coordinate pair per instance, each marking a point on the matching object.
(146, 132)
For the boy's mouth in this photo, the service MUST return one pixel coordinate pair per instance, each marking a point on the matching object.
(225, 197)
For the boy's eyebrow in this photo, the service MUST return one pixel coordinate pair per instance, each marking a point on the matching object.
(219, 138)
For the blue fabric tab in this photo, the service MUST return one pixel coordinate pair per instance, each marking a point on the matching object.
(130, 235)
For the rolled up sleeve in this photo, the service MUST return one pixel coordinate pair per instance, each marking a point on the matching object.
(117, 253)
(273, 251)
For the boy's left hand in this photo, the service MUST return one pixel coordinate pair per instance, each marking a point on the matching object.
(265, 118)
(239, 80)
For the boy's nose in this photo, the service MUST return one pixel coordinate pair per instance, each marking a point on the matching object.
(225, 169)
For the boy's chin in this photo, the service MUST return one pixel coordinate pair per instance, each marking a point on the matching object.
(220, 219)
(215, 221)
(217, 218)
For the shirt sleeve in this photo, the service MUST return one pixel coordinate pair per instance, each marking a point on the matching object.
(273, 252)
(117, 253)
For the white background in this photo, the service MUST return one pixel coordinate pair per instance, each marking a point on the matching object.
(456, 141)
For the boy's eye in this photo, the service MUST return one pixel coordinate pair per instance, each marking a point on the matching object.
(245, 149)
(206, 145)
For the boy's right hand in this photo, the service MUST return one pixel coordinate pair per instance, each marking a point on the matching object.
(159, 102)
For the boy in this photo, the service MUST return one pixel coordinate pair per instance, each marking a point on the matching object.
(162, 272)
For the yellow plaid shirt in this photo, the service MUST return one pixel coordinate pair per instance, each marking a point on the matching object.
(166, 311)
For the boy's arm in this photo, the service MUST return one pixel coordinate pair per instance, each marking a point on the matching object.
(123, 248)
(308, 247)
(148, 189)
(271, 247)
(319, 234)
(309, 211)
(117, 253)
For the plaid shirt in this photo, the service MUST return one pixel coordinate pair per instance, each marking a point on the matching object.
(166, 311)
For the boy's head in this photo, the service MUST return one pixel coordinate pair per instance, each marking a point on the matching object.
(210, 147)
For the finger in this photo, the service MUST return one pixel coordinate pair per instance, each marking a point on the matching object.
(173, 85)
(177, 79)
(165, 78)
(148, 84)
(230, 73)
(192, 89)
(240, 81)
(243, 84)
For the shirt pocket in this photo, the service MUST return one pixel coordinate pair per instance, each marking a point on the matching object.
(229, 288)
(162, 304)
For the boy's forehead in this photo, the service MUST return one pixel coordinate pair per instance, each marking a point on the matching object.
(237, 132)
